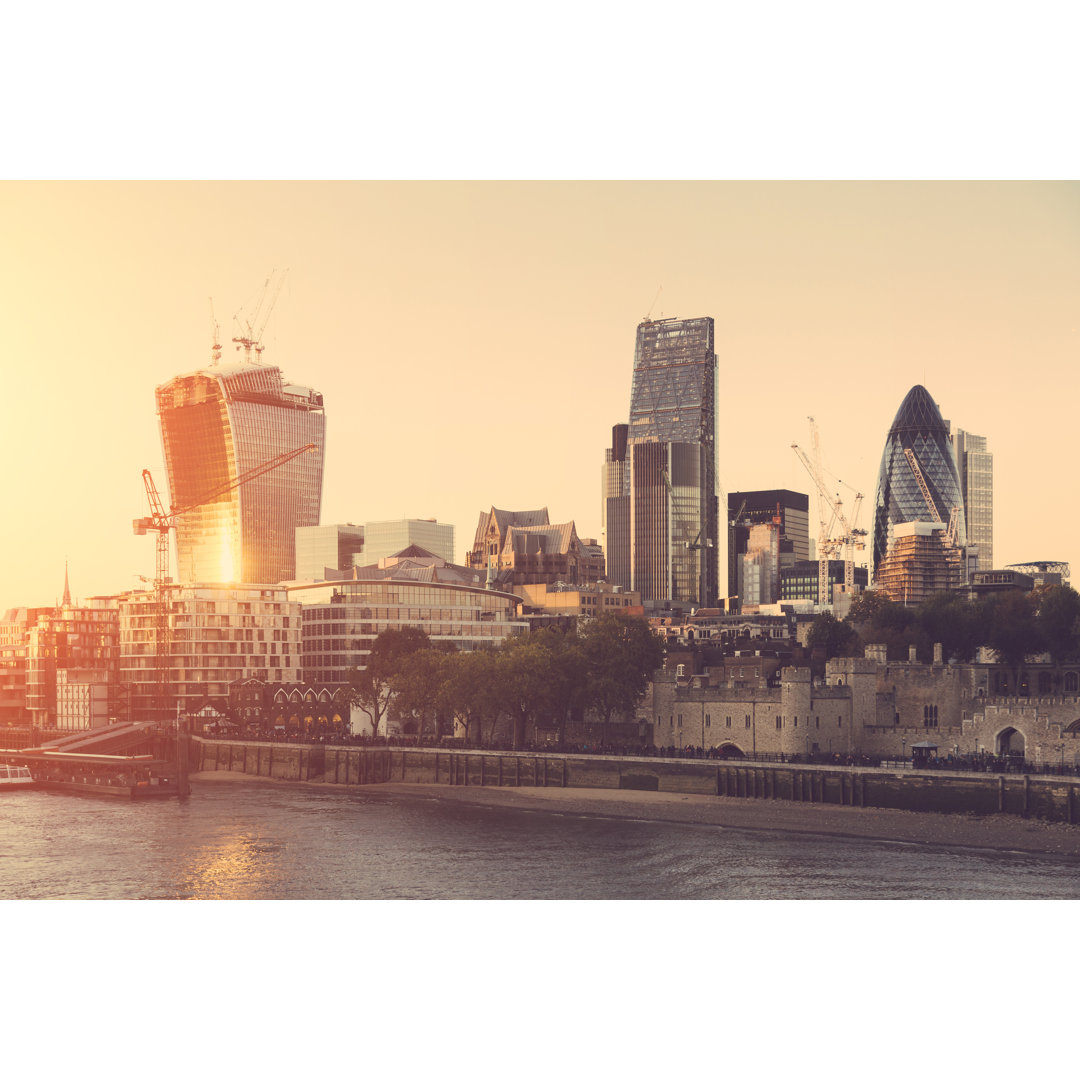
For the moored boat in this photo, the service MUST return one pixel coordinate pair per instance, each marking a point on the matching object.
(16, 778)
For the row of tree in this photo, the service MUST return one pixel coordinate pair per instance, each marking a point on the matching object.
(542, 679)
(1017, 626)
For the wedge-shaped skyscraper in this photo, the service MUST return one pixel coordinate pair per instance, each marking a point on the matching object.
(216, 424)
(663, 528)
(918, 468)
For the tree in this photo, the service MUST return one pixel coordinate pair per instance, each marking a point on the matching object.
(1057, 613)
(836, 638)
(622, 655)
(371, 689)
(952, 621)
(471, 691)
(527, 668)
(419, 688)
(1011, 630)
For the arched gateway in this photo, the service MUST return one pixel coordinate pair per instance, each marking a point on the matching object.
(1009, 743)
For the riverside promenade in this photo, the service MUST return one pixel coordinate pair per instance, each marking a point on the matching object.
(1049, 798)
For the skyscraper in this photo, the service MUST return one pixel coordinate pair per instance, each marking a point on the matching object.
(748, 508)
(217, 423)
(918, 452)
(669, 475)
(976, 467)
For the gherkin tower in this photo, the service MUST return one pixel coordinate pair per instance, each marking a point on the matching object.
(918, 427)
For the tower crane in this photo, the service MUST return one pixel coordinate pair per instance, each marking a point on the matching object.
(935, 514)
(215, 345)
(161, 522)
(831, 541)
(254, 327)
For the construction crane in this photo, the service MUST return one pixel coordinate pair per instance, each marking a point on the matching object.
(953, 529)
(252, 329)
(161, 522)
(215, 345)
(830, 539)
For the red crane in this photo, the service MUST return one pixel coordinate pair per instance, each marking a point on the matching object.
(161, 522)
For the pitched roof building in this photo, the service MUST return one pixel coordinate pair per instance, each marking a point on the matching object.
(522, 547)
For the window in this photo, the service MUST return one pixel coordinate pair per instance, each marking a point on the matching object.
(680, 719)
(708, 720)
(748, 720)
(779, 723)
(728, 721)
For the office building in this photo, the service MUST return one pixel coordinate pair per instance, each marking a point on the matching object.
(615, 510)
(451, 604)
(745, 509)
(328, 547)
(800, 581)
(666, 531)
(383, 538)
(917, 480)
(218, 423)
(975, 465)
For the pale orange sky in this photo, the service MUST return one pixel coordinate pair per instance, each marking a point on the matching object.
(474, 341)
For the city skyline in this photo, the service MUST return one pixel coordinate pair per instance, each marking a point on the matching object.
(457, 328)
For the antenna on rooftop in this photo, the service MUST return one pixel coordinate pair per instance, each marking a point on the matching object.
(648, 314)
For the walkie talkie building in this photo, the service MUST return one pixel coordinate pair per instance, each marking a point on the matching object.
(918, 432)
(216, 424)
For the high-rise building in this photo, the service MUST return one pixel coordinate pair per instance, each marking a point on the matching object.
(976, 467)
(615, 510)
(671, 513)
(791, 509)
(216, 424)
(918, 469)
(327, 547)
(385, 538)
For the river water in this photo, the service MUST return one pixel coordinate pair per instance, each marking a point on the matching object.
(248, 841)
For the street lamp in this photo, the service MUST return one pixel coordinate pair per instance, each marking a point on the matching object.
(903, 748)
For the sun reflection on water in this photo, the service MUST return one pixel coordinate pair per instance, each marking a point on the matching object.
(239, 868)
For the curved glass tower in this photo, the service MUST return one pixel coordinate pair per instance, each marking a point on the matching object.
(918, 428)
(218, 423)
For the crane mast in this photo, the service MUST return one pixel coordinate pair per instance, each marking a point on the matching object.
(829, 540)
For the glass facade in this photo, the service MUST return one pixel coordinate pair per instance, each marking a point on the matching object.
(976, 466)
(385, 538)
(319, 547)
(670, 476)
(918, 427)
(216, 424)
(343, 618)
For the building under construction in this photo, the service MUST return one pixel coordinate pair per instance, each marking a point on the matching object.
(663, 527)
(920, 562)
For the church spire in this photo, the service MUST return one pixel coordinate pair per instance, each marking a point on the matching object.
(66, 602)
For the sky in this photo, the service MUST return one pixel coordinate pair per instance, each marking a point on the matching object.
(474, 340)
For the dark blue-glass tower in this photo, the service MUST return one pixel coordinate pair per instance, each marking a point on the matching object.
(918, 427)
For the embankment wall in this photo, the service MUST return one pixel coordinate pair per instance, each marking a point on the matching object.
(1053, 798)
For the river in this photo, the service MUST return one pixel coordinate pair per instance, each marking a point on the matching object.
(248, 841)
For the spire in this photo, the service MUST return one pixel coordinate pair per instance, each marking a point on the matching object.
(66, 602)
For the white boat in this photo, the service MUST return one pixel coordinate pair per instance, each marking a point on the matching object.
(15, 777)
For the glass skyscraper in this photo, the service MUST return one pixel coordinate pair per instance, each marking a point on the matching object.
(216, 424)
(919, 429)
(976, 467)
(669, 503)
